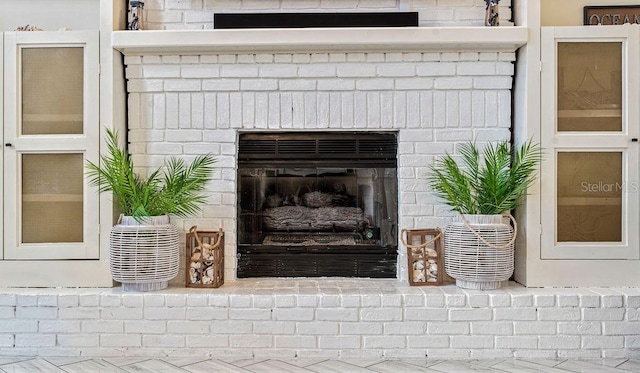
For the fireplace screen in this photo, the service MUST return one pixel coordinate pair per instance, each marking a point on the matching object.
(317, 204)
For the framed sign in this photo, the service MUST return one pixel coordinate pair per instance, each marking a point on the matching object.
(611, 15)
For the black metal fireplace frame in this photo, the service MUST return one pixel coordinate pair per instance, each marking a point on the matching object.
(317, 149)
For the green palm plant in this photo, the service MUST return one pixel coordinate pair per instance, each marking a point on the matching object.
(176, 188)
(489, 183)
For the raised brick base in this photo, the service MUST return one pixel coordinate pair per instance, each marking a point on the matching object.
(336, 318)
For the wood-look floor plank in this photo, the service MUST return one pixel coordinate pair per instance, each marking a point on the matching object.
(275, 366)
(337, 366)
(91, 366)
(586, 366)
(213, 365)
(396, 366)
(152, 366)
(32, 365)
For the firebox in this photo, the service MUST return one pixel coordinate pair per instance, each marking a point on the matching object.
(314, 204)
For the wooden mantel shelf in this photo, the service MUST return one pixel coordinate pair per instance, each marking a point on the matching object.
(476, 39)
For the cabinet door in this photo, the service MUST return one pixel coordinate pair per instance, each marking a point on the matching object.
(589, 131)
(51, 129)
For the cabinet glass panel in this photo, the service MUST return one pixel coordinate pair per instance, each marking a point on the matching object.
(589, 193)
(52, 203)
(590, 86)
(52, 90)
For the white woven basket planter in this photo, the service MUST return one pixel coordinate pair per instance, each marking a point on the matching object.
(144, 256)
(473, 263)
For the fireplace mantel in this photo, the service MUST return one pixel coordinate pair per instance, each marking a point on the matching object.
(400, 39)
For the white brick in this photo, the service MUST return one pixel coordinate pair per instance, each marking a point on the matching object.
(559, 314)
(381, 314)
(36, 313)
(182, 85)
(207, 341)
(240, 301)
(317, 328)
(580, 328)
(470, 314)
(428, 341)
(453, 83)
(258, 84)
(329, 300)
(356, 70)
(250, 341)
(81, 313)
(374, 84)
(448, 328)
(479, 342)
(175, 341)
(360, 328)
(221, 85)
(339, 342)
(249, 314)
(145, 327)
(161, 71)
(293, 314)
(8, 300)
(520, 314)
(27, 300)
(272, 327)
(559, 342)
(317, 70)
(384, 342)
(58, 326)
(601, 342)
(436, 69)
(187, 327)
(297, 342)
(535, 327)
(621, 328)
(103, 326)
(603, 314)
(491, 328)
(396, 69)
(202, 72)
(120, 340)
(476, 68)
(278, 71)
(77, 340)
(493, 82)
(297, 85)
(163, 313)
(516, 342)
(238, 71)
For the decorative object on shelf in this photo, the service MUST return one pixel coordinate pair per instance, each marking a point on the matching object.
(424, 255)
(479, 247)
(492, 16)
(144, 246)
(205, 258)
(135, 19)
(28, 28)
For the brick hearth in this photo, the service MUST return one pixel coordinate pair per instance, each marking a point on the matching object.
(333, 318)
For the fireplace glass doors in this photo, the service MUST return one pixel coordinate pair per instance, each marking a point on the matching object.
(317, 204)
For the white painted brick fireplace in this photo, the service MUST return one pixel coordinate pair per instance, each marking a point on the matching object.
(186, 105)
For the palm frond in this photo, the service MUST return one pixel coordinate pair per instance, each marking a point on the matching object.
(491, 186)
(174, 188)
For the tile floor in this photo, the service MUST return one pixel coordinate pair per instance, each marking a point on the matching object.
(196, 365)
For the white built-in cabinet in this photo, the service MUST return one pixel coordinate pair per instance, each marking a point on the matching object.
(60, 90)
(590, 128)
(51, 129)
(581, 222)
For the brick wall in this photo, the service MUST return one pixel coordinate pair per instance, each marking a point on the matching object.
(188, 105)
(198, 14)
(323, 319)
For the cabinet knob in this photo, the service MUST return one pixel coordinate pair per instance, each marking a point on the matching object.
(635, 139)
(8, 145)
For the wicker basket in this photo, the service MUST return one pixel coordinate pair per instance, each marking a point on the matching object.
(144, 255)
(205, 258)
(424, 255)
(478, 251)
